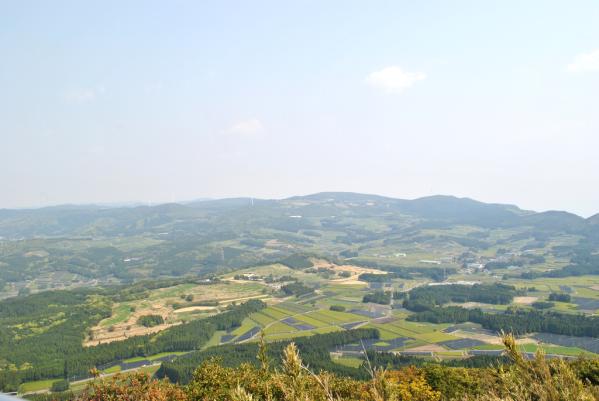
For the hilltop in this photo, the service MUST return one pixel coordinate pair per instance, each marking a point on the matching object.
(67, 246)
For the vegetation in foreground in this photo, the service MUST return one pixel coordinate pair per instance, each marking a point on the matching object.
(539, 379)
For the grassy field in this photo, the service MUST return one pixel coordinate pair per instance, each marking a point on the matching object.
(279, 328)
(36, 385)
(246, 325)
(553, 349)
(348, 361)
(120, 314)
(152, 357)
(112, 369)
(215, 340)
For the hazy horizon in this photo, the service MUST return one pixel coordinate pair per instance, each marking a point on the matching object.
(135, 203)
(115, 102)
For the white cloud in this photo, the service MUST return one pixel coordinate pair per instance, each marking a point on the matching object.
(585, 62)
(83, 95)
(251, 127)
(393, 79)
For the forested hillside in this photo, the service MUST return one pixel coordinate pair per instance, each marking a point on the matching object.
(78, 246)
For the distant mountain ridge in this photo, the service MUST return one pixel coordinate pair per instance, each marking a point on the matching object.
(95, 220)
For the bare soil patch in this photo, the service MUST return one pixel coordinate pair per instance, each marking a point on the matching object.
(525, 300)
(130, 328)
(39, 254)
(120, 334)
(273, 243)
(471, 305)
(195, 308)
(354, 270)
(225, 294)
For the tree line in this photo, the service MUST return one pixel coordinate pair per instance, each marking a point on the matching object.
(426, 297)
(315, 350)
(58, 352)
(517, 321)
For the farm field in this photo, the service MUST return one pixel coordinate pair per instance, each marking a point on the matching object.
(293, 317)
(288, 317)
(320, 266)
(170, 303)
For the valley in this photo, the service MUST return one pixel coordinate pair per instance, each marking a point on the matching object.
(436, 279)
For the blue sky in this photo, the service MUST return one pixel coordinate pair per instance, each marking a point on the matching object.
(160, 101)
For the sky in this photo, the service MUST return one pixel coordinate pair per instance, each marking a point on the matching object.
(153, 101)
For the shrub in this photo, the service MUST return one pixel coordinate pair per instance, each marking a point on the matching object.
(59, 386)
(297, 262)
(378, 297)
(150, 320)
(297, 289)
(542, 305)
(559, 297)
(538, 379)
(135, 387)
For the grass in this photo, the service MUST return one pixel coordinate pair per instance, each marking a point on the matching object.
(565, 307)
(385, 334)
(410, 344)
(36, 385)
(152, 357)
(304, 333)
(311, 321)
(436, 337)
(279, 327)
(135, 359)
(349, 361)
(489, 347)
(246, 325)
(215, 339)
(559, 350)
(150, 369)
(275, 313)
(291, 308)
(289, 336)
(338, 317)
(325, 330)
(112, 369)
(172, 291)
(120, 314)
(261, 319)
(163, 354)
(426, 333)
